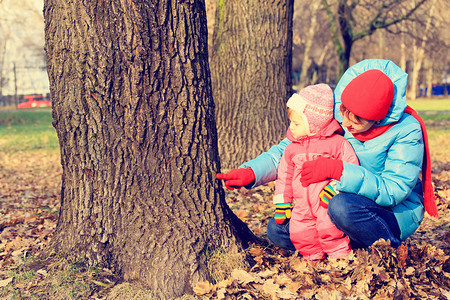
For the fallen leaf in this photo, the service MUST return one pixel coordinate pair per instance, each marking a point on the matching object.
(6, 281)
(203, 288)
(42, 272)
(256, 251)
(242, 214)
(402, 254)
(270, 288)
(244, 277)
(267, 273)
(286, 294)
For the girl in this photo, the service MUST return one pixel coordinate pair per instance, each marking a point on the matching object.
(313, 133)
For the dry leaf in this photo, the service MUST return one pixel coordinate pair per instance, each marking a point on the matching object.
(221, 293)
(203, 288)
(286, 294)
(267, 273)
(5, 282)
(242, 214)
(270, 288)
(299, 265)
(294, 286)
(402, 254)
(244, 277)
(410, 271)
(283, 279)
(256, 251)
(224, 283)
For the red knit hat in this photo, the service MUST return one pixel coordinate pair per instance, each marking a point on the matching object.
(369, 95)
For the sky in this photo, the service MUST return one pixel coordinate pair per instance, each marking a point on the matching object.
(22, 47)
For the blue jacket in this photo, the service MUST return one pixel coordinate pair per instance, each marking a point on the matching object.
(390, 164)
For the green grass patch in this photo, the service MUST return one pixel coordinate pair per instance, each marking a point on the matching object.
(436, 115)
(430, 105)
(432, 110)
(24, 130)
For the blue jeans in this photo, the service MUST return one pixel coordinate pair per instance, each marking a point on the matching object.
(360, 218)
(279, 235)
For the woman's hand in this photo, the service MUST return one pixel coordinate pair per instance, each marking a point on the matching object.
(237, 178)
(321, 169)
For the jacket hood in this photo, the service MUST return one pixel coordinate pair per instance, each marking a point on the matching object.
(396, 74)
(332, 128)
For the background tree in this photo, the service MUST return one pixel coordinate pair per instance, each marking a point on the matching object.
(346, 28)
(419, 50)
(251, 75)
(134, 114)
(312, 29)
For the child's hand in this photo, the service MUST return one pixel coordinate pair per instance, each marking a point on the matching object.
(282, 212)
(237, 178)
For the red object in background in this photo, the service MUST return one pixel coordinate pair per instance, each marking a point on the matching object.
(34, 101)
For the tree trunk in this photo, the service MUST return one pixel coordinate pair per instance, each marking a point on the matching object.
(402, 52)
(430, 78)
(251, 76)
(381, 43)
(133, 110)
(308, 44)
(419, 54)
(340, 29)
(320, 63)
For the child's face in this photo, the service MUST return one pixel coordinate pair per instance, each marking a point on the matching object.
(298, 126)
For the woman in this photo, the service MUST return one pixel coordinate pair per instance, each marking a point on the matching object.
(383, 196)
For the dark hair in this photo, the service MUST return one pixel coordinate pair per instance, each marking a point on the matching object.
(345, 112)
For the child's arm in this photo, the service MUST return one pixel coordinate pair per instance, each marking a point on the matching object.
(266, 164)
(283, 189)
(283, 185)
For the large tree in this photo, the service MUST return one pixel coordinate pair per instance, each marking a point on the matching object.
(352, 20)
(134, 114)
(251, 74)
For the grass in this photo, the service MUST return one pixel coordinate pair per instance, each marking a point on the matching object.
(430, 105)
(436, 115)
(27, 130)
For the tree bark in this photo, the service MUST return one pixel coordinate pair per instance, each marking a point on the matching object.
(419, 54)
(430, 78)
(251, 76)
(308, 44)
(133, 110)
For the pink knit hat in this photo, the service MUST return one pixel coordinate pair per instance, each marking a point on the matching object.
(316, 103)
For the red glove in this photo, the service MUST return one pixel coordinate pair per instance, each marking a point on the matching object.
(321, 169)
(237, 178)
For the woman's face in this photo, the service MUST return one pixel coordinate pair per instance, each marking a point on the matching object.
(353, 124)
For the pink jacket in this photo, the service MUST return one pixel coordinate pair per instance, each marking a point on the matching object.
(308, 217)
(328, 143)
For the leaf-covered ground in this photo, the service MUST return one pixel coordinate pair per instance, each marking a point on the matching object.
(30, 186)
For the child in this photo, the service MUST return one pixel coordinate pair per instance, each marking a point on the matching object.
(313, 133)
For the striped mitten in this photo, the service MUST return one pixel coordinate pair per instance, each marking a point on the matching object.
(325, 195)
(282, 212)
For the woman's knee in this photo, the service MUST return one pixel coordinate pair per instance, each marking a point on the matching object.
(337, 205)
(338, 209)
